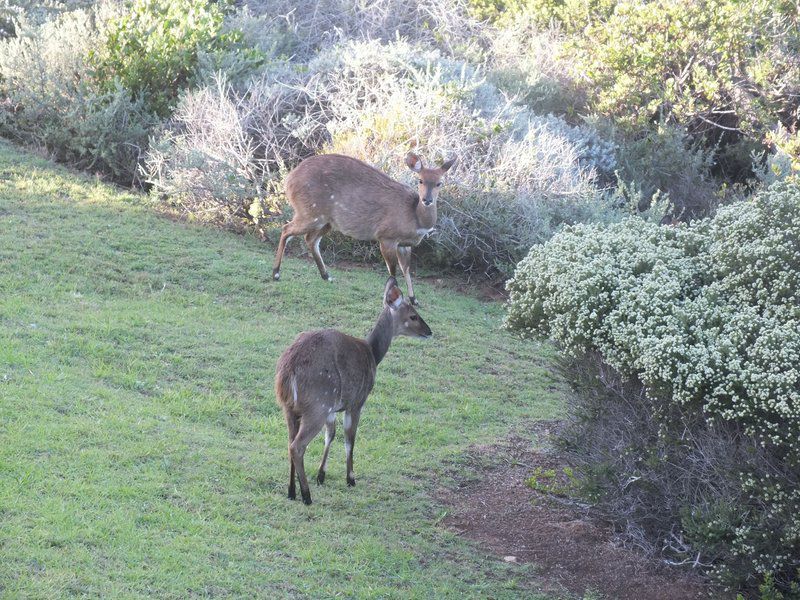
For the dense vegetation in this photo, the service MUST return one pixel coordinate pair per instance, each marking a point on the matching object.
(630, 122)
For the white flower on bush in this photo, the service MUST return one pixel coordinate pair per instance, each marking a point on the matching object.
(707, 315)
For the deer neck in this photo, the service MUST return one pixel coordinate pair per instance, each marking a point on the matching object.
(426, 215)
(380, 338)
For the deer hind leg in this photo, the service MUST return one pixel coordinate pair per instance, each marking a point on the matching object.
(293, 425)
(312, 239)
(404, 257)
(330, 433)
(350, 426)
(389, 253)
(308, 429)
(287, 232)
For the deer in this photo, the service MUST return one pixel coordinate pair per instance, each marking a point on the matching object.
(332, 191)
(325, 372)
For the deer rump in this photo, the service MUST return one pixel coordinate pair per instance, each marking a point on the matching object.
(323, 372)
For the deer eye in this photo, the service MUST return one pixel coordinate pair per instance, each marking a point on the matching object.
(414, 318)
(421, 182)
(439, 184)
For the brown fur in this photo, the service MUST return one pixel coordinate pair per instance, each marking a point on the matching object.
(338, 192)
(325, 372)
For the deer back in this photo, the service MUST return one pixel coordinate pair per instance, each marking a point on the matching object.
(356, 199)
(324, 371)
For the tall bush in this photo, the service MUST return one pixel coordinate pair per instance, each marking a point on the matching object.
(706, 317)
(152, 48)
(52, 101)
(722, 66)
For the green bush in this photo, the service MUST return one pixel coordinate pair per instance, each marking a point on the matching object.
(720, 65)
(666, 161)
(50, 103)
(152, 49)
(706, 317)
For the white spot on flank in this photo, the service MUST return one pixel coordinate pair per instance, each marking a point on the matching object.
(332, 196)
(314, 205)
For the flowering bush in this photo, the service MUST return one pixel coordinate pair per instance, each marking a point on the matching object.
(707, 317)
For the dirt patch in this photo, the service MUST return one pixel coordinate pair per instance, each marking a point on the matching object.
(572, 553)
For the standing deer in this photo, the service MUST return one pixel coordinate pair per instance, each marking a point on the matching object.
(325, 372)
(337, 192)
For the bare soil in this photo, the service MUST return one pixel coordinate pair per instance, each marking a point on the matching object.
(572, 553)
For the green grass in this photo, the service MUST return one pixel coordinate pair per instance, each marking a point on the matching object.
(141, 449)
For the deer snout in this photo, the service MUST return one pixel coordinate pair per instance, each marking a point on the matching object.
(425, 331)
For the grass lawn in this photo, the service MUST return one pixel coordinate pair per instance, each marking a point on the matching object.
(141, 450)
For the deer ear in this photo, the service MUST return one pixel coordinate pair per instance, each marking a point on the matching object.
(413, 161)
(392, 296)
(447, 164)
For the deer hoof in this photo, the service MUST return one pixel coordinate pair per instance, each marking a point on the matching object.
(276, 275)
(351, 481)
(413, 300)
(307, 500)
(327, 277)
(292, 494)
(320, 477)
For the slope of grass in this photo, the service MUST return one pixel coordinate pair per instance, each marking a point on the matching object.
(141, 449)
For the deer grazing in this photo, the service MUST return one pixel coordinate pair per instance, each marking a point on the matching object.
(331, 191)
(325, 372)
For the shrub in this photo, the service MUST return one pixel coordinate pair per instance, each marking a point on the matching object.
(527, 61)
(518, 177)
(319, 24)
(50, 101)
(152, 49)
(716, 65)
(666, 160)
(706, 317)
(205, 162)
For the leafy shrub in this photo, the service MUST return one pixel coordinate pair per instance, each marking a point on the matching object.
(706, 317)
(260, 45)
(51, 103)
(152, 49)
(666, 160)
(717, 64)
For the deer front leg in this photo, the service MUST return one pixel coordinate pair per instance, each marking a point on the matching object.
(404, 257)
(389, 253)
(287, 232)
(350, 426)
